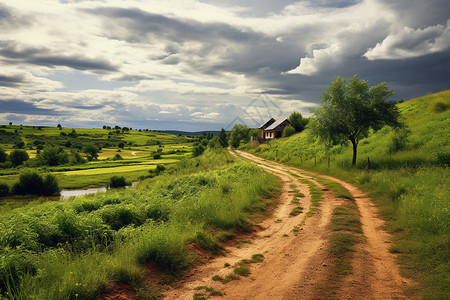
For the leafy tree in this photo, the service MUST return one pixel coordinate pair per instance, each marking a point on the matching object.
(288, 131)
(10, 123)
(76, 159)
(18, 157)
(349, 110)
(198, 150)
(117, 181)
(91, 151)
(20, 144)
(121, 145)
(59, 127)
(73, 133)
(3, 156)
(297, 121)
(223, 138)
(239, 133)
(32, 183)
(53, 156)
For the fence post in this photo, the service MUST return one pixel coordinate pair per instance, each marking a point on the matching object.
(301, 159)
(368, 163)
(315, 161)
(328, 162)
(407, 163)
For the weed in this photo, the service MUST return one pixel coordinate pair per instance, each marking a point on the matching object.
(296, 211)
(210, 290)
(242, 271)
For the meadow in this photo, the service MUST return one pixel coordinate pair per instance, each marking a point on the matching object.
(136, 149)
(75, 249)
(406, 172)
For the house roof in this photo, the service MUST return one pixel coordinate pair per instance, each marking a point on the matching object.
(276, 124)
(267, 123)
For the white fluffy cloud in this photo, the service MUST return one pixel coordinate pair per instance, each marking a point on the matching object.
(409, 42)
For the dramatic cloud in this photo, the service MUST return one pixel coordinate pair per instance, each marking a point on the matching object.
(409, 43)
(207, 64)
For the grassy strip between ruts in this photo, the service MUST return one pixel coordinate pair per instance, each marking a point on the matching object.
(346, 232)
(72, 249)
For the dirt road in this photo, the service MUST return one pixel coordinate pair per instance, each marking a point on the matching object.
(296, 262)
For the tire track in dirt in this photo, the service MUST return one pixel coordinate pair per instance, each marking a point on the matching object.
(298, 266)
(288, 257)
(375, 273)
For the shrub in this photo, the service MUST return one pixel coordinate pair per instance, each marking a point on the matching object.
(51, 186)
(53, 156)
(117, 181)
(288, 131)
(4, 189)
(3, 156)
(156, 156)
(18, 157)
(440, 107)
(117, 157)
(31, 183)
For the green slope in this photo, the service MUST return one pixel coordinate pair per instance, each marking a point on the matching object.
(409, 181)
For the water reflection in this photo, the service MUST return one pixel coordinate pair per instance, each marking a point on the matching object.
(66, 194)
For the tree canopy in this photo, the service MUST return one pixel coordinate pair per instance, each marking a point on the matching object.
(239, 133)
(91, 151)
(350, 109)
(297, 121)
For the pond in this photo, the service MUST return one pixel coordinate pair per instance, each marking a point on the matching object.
(65, 194)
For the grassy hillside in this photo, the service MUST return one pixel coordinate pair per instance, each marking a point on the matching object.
(409, 179)
(73, 249)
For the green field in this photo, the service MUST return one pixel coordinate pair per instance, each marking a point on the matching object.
(409, 180)
(137, 152)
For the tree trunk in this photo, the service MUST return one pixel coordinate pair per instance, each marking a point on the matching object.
(355, 150)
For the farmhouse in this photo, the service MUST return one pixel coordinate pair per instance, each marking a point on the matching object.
(273, 129)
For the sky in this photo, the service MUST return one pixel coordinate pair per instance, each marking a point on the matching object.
(197, 65)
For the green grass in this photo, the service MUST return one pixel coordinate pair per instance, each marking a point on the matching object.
(409, 181)
(57, 250)
(137, 154)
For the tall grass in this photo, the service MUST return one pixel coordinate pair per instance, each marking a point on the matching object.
(71, 249)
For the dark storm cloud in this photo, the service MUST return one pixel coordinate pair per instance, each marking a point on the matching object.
(15, 53)
(241, 50)
(408, 78)
(419, 13)
(11, 81)
(21, 107)
(144, 26)
(82, 63)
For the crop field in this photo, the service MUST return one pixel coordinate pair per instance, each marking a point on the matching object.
(126, 153)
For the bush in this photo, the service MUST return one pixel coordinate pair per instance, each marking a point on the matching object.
(18, 157)
(156, 156)
(288, 131)
(4, 189)
(53, 156)
(440, 107)
(31, 183)
(3, 156)
(117, 181)
(117, 157)
(51, 186)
